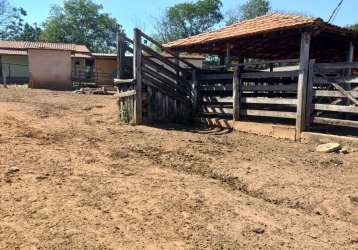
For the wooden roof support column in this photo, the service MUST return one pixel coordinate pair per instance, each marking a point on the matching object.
(302, 84)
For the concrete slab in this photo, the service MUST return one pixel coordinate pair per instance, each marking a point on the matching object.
(317, 138)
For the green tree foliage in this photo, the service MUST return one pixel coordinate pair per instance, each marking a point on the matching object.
(188, 19)
(11, 21)
(249, 10)
(81, 22)
(30, 33)
(354, 27)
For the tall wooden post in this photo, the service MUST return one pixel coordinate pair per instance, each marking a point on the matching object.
(137, 70)
(302, 84)
(194, 92)
(236, 94)
(228, 55)
(309, 102)
(120, 55)
(350, 59)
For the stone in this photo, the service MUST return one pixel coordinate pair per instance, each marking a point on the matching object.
(344, 150)
(13, 170)
(328, 147)
(259, 230)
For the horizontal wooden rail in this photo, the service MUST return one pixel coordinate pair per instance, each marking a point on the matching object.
(228, 87)
(335, 122)
(255, 63)
(336, 108)
(267, 75)
(283, 88)
(265, 100)
(126, 94)
(333, 93)
(267, 113)
(333, 66)
(124, 81)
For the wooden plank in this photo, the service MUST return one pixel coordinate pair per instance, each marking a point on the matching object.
(194, 91)
(265, 100)
(345, 79)
(345, 93)
(302, 83)
(124, 81)
(309, 101)
(228, 87)
(222, 76)
(333, 93)
(162, 88)
(256, 63)
(175, 55)
(267, 113)
(282, 88)
(150, 111)
(336, 122)
(137, 71)
(120, 55)
(162, 69)
(270, 75)
(164, 80)
(126, 94)
(236, 94)
(336, 108)
(331, 66)
(161, 58)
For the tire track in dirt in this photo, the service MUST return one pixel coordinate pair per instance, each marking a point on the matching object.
(183, 163)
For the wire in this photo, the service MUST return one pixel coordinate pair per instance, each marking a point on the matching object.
(335, 12)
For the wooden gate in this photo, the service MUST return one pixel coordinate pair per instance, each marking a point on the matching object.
(333, 94)
(162, 87)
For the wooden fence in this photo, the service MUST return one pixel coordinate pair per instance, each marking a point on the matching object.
(322, 94)
(161, 88)
(243, 93)
(333, 95)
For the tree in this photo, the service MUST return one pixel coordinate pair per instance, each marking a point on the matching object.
(30, 33)
(11, 20)
(249, 10)
(82, 22)
(354, 27)
(188, 19)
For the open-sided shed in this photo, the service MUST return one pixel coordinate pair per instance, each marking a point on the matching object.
(274, 36)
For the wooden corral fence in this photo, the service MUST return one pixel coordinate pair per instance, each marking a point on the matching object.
(321, 94)
(332, 94)
(161, 89)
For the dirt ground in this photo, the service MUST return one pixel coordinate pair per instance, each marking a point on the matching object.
(73, 177)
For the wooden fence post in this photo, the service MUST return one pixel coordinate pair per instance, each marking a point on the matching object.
(137, 70)
(236, 94)
(194, 92)
(309, 101)
(120, 55)
(4, 77)
(302, 84)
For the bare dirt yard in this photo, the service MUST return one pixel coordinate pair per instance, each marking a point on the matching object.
(73, 177)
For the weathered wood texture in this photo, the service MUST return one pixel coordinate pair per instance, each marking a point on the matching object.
(162, 88)
(242, 94)
(302, 83)
(334, 100)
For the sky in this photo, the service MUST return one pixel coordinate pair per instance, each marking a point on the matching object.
(144, 13)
